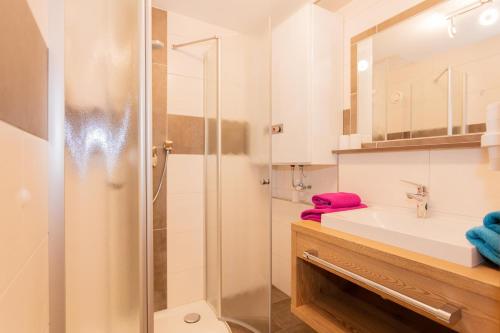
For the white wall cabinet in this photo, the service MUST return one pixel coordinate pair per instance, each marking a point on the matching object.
(307, 86)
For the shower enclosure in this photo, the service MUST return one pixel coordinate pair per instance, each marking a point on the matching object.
(237, 169)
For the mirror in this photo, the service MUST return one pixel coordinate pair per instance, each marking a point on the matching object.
(428, 74)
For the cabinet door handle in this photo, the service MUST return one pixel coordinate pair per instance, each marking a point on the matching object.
(448, 313)
(265, 181)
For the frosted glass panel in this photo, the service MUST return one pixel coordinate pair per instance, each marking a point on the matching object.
(246, 203)
(102, 166)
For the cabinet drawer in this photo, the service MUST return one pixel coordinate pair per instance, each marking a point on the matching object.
(477, 313)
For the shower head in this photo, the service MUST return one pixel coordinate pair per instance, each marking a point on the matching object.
(157, 44)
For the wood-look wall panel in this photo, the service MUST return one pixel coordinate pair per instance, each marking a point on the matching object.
(346, 122)
(159, 92)
(23, 69)
(159, 32)
(160, 269)
(187, 133)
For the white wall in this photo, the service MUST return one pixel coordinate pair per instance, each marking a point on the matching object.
(459, 180)
(322, 179)
(24, 282)
(284, 213)
(23, 231)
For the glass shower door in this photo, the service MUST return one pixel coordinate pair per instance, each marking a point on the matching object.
(237, 170)
(104, 170)
(245, 198)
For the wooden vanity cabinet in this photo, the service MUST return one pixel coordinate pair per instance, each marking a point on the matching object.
(352, 284)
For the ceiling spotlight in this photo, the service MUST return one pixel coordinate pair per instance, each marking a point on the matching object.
(363, 65)
(488, 17)
(452, 28)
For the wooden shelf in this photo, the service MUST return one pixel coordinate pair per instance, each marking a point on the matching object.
(441, 142)
(329, 315)
(349, 308)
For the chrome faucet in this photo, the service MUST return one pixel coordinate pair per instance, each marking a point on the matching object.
(421, 197)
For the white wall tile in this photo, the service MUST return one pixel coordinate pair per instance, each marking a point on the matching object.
(185, 250)
(281, 270)
(186, 61)
(282, 235)
(185, 174)
(24, 305)
(376, 177)
(191, 28)
(185, 287)
(185, 95)
(462, 183)
(284, 214)
(321, 178)
(185, 212)
(23, 199)
(16, 248)
(36, 171)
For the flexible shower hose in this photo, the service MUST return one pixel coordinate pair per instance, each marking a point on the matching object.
(162, 176)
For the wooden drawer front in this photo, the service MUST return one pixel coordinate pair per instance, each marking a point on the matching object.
(478, 313)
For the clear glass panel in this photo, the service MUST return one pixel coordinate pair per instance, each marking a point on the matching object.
(245, 162)
(102, 166)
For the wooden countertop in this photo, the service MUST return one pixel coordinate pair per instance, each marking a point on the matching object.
(484, 279)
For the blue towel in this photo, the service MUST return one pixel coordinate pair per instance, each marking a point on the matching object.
(492, 221)
(486, 241)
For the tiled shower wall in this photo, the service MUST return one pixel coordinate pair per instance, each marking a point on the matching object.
(24, 184)
(159, 32)
(185, 172)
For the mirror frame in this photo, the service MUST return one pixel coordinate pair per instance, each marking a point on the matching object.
(350, 116)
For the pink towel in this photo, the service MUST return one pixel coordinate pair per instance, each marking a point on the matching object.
(336, 200)
(315, 214)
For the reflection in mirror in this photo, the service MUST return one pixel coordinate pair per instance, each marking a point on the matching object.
(432, 74)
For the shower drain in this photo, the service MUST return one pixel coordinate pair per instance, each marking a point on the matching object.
(192, 318)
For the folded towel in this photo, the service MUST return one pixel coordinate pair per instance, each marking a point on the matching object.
(492, 221)
(486, 241)
(315, 214)
(336, 200)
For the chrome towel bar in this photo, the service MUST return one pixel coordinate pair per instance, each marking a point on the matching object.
(448, 313)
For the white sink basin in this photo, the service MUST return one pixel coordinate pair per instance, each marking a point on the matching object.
(440, 235)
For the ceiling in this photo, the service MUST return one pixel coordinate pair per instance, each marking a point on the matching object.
(238, 15)
(333, 5)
